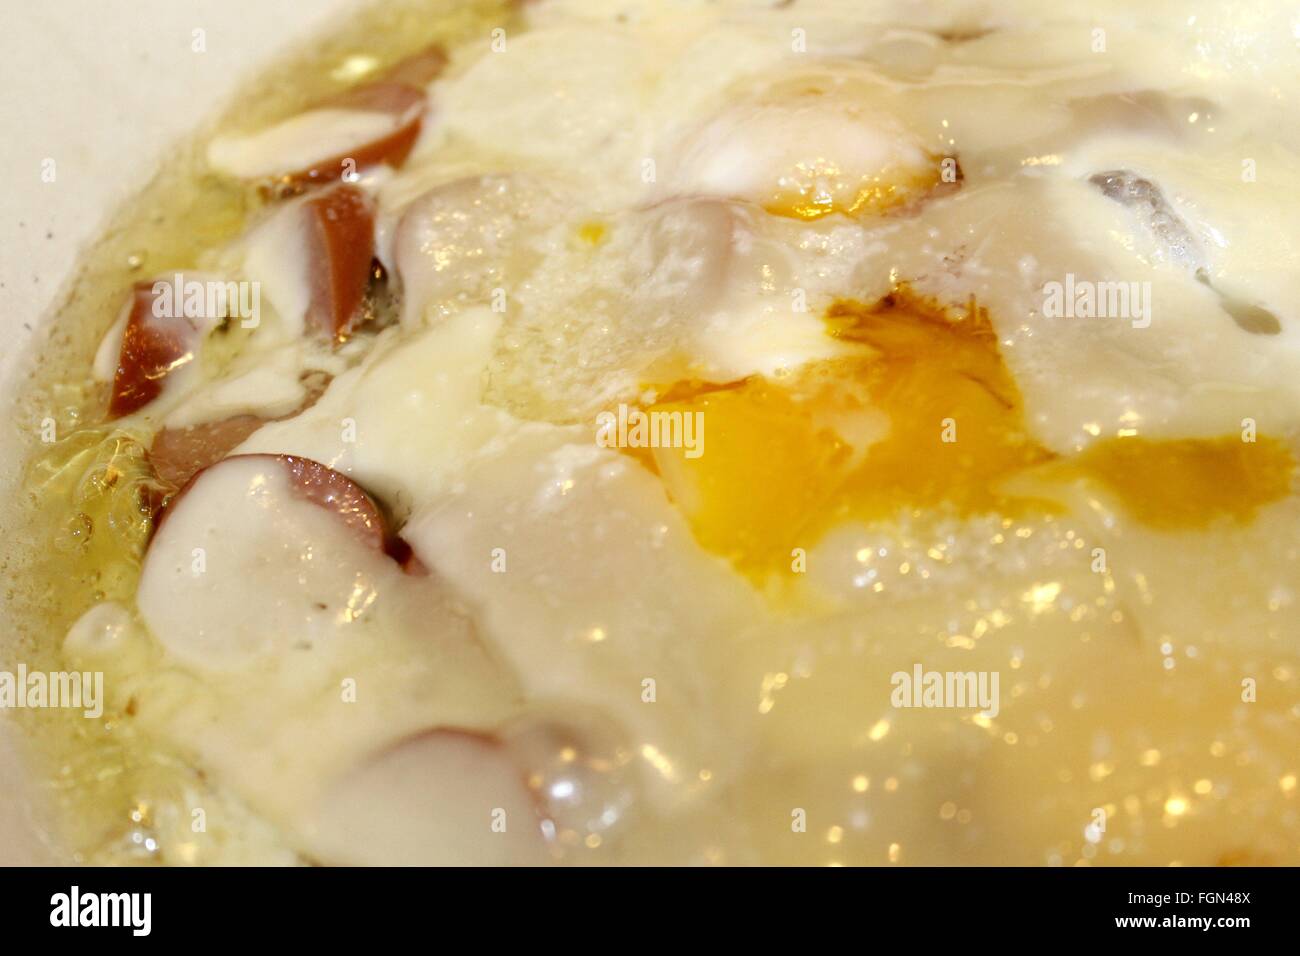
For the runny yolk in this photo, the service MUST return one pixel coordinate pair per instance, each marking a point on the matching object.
(1188, 483)
(819, 188)
(929, 420)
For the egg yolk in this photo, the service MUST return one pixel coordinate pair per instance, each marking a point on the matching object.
(1189, 483)
(820, 187)
(930, 420)
(592, 233)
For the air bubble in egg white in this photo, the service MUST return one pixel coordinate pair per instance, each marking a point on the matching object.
(581, 777)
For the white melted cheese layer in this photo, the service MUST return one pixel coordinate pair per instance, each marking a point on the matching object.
(583, 581)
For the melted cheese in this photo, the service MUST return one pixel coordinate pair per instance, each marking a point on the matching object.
(406, 420)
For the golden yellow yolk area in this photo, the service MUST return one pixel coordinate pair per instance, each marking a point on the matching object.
(592, 233)
(1188, 483)
(820, 187)
(777, 470)
(768, 468)
(784, 461)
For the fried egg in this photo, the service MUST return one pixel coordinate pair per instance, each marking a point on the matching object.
(615, 453)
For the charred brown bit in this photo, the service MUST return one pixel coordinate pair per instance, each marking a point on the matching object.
(966, 35)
